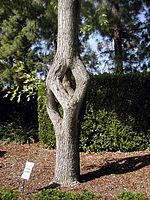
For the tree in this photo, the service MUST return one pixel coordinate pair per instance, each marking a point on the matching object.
(66, 82)
(124, 27)
(27, 33)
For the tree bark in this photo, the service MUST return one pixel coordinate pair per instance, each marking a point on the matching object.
(118, 51)
(60, 93)
(117, 35)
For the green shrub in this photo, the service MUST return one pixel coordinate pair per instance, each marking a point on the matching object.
(7, 194)
(16, 133)
(88, 195)
(131, 196)
(46, 131)
(117, 113)
(53, 194)
(103, 131)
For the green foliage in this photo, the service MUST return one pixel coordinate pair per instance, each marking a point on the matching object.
(103, 131)
(88, 195)
(131, 196)
(27, 34)
(7, 194)
(117, 114)
(46, 132)
(24, 83)
(103, 17)
(53, 194)
(18, 122)
(16, 133)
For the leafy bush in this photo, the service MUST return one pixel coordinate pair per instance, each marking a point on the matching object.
(7, 194)
(13, 132)
(46, 132)
(117, 113)
(103, 131)
(17, 131)
(53, 194)
(131, 196)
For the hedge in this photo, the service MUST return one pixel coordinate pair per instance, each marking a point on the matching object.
(18, 121)
(55, 194)
(46, 132)
(116, 117)
(8, 193)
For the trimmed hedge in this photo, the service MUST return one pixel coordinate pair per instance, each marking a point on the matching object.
(46, 132)
(117, 114)
(116, 117)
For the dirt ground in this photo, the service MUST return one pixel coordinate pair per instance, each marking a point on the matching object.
(104, 173)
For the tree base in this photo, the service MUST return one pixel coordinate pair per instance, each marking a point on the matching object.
(55, 184)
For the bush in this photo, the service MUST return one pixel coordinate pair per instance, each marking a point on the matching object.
(46, 131)
(14, 132)
(53, 194)
(103, 131)
(7, 194)
(117, 113)
(131, 196)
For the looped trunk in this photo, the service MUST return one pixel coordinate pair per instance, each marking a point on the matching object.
(67, 82)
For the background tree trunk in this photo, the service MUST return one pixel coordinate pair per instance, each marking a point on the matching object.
(117, 36)
(63, 95)
(118, 51)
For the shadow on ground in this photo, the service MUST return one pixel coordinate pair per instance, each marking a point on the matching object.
(121, 166)
(2, 153)
(118, 167)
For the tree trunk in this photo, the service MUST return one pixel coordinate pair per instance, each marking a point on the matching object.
(67, 68)
(118, 51)
(117, 35)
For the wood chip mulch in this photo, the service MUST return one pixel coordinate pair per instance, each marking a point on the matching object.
(105, 173)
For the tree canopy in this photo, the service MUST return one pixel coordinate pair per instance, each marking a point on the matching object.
(28, 32)
(124, 27)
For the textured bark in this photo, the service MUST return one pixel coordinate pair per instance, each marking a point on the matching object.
(118, 51)
(117, 35)
(66, 65)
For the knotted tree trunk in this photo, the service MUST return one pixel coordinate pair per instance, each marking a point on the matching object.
(61, 93)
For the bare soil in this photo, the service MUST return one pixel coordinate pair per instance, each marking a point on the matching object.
(105, 173)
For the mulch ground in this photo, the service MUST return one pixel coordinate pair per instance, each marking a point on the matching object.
(104, 173)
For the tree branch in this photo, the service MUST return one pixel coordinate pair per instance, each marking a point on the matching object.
(81, 78)
(52, 109)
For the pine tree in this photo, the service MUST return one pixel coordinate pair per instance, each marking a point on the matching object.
(119, 21)
(27, 33)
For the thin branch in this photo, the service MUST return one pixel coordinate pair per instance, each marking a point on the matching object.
(52, 109)
(81, 78)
